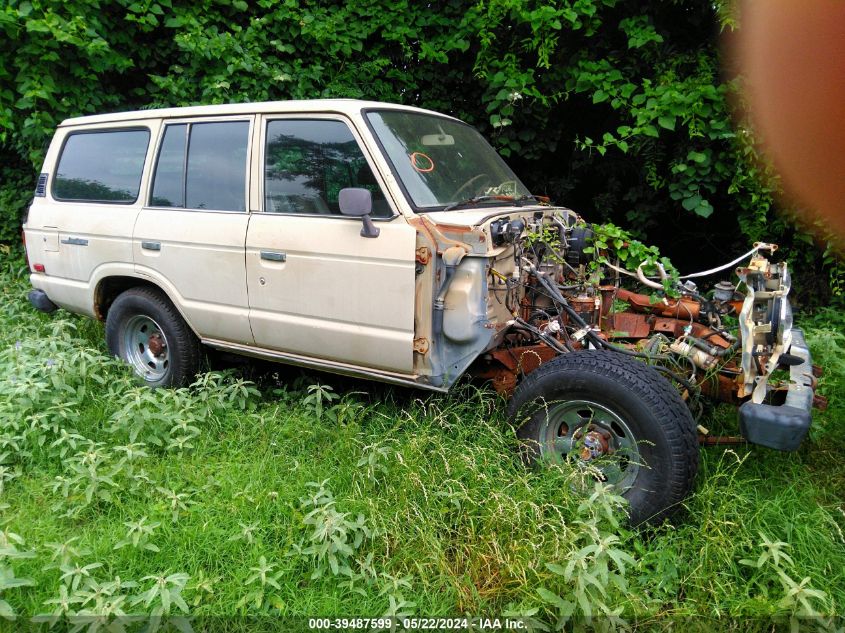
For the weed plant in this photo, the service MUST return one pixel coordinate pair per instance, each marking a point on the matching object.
(309, 495)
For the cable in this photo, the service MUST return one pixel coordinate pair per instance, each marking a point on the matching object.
(596, 339)
(706, 273)
(548, 339)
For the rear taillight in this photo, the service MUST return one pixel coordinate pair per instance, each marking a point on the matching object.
(37, 268)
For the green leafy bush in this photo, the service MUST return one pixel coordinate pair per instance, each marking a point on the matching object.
(619, 110)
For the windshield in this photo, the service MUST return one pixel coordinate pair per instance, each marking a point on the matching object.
(443, 162)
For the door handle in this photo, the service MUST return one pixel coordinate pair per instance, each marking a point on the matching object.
(75, 241)
(273, 256)
(151, 246)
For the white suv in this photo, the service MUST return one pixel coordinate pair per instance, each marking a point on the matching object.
(393, 243)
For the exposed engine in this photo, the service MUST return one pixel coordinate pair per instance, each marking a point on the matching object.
(564, 290)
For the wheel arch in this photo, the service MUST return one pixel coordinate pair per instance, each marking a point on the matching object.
(109, 287)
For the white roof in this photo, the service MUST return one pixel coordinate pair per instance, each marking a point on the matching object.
(343, 106)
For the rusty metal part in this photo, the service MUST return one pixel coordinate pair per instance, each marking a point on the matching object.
(721, 387)
(588, 308)
(677, 308)
(819, 402)
(628, 325)
(423, 255)
(720, 440)
(595, 445)
(637, 325)
(503, 366)
(421, 345)
(156, 344)
(441, 240)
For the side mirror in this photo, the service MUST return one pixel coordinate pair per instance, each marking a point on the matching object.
(358, 202)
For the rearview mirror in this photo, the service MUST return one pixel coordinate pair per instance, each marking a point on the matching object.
(430, 140)
(358, 202)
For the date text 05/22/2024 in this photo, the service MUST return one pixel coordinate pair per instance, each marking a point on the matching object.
(418, 624)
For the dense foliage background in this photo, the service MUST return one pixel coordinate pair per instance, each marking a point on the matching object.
(618, 110)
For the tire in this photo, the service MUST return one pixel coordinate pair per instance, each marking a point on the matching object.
(144, 329)
(621, 415)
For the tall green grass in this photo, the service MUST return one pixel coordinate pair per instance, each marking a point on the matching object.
(305, 495)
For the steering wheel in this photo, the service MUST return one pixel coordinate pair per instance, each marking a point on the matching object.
(460, 191)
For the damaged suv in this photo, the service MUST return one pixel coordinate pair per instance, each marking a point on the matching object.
(394, 244)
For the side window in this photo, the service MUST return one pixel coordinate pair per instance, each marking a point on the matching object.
(169, 184)
(202, 166)
(307, 163)
(101, 166)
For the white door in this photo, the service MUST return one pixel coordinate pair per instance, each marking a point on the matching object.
(191, 236)
(317, 287)
(88, 210)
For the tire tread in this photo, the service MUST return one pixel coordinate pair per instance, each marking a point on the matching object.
(184, 339)
(668, 408)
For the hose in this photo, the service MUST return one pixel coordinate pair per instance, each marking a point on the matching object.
(597, 340)
(712, 271)
(548, 339)
(601, 342)
(713, 350)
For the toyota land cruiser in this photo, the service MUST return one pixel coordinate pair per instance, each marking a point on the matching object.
(393, 243)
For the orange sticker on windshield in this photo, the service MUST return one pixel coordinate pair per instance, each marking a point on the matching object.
(422, 162)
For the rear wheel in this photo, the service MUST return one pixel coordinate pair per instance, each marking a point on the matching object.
(617, 415)
(145, 330)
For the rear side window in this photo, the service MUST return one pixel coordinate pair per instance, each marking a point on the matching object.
(202, 166)
(101, 166)
(169, 185)
(308, 162)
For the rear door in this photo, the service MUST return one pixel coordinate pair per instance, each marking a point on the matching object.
(84, 216)
(317, 288)
(190, 236)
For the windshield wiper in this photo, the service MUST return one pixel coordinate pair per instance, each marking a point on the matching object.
(478, 200)
(519, 201)
(530, 196)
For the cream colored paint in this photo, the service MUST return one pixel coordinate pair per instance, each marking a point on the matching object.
(202, 256)
(105, 229)
(337, 295)
(338, 299)
(347, 107)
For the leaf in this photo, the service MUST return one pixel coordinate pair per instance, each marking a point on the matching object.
(691, 203)
(556, 569)
(6, 610)
(599, 96)
(183, 624)
(551, 598)
(667, 121)
(705, 209)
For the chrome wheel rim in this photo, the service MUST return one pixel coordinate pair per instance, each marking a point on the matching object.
(586, 433)
(146, 348)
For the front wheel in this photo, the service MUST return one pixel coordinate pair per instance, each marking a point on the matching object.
(606, 410)
(145, 330)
